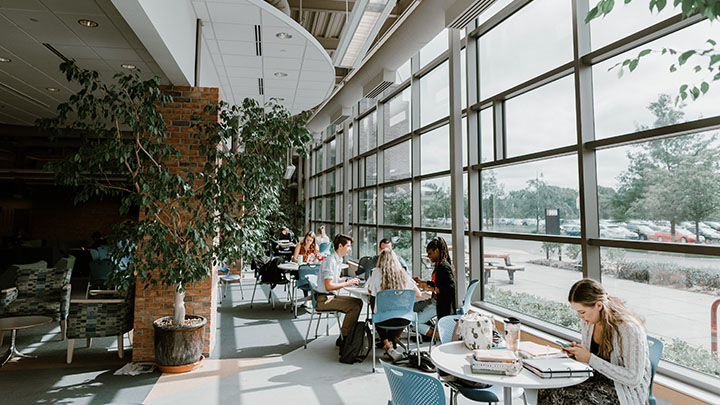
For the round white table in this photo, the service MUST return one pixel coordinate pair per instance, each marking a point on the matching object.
(454, 358)
(293, 266)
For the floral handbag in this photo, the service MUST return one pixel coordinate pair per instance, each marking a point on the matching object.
(476, 330)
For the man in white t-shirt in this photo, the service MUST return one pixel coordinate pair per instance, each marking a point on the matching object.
(329, 282)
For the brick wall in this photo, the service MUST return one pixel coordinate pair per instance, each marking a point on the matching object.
(201, 298)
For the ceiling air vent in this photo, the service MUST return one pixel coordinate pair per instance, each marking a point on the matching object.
(56, 52)
(337, 117)
(261, 88)
(462, 13)
(375, 86)
(258, 41)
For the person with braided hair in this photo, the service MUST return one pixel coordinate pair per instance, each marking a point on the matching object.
(614, 344)
(389, 275)
(442, 284)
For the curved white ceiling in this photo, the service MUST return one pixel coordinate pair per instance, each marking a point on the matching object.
(297, 71)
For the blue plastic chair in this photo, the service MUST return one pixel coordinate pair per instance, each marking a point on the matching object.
(325, 247)
(468, 297)
(446, 326)
(312, 282)
(395, 304)
(225, 278)
(302, 284)
(656, 349)
(410, 387)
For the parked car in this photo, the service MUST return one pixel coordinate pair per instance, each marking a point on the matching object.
(570, 229)
(616, 232)
(643, 232)
(681, 235)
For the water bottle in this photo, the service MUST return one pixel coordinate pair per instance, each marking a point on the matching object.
(300, 259)
(512, 333)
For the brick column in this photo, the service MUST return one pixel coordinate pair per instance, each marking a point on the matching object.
(201, 298)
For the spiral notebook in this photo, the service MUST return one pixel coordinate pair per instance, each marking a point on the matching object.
(558, 368)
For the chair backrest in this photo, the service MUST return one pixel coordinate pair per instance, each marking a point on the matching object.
(100, 269)
(65, 263)
(446, 326)
(468, 297)
(313, 284)
(410, 387)
(305, 270)
(42, 283)
(42, 264)
(656, 349)
(394, 304)
(325, 247)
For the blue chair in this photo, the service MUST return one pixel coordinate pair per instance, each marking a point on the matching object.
(656, 349)
(468, 297)
(446, 326)
(395, 304)
(302, 284)
(312, 282)
(325, 247)
(225, 278)
(410, 387)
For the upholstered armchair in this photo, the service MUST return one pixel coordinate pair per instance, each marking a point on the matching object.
(110, 316)
(40, 291)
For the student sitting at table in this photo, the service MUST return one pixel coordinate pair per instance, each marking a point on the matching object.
(322, 236)
(307, 247)
(389, 275)
(442, 285)
(385, 244)
(329, 282)
(614, 344)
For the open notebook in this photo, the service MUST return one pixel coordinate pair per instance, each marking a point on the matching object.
(558, 367)
(532, 350)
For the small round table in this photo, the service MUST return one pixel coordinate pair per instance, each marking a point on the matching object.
(15, 323)
(454, 358)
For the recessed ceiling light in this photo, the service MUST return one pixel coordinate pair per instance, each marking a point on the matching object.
(128, 66)
(283, 35)
(88, 23)
(5, 60)
(53, 89)
(280, 74)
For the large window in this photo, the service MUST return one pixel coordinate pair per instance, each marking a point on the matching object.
(397, 205)
(397, 162)
(368, 132)
(435, 151)
(371, 170)
(542, 46)
(435, 202)
(367, 206)
(397, 116)
(434, 95)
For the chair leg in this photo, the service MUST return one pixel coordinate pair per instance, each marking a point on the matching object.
(318, 325)
(63, 328)
(2, 335)
(312, 314)
(130, 336)
(242, 294)
(373, 347)
(70, 347)
(327, 325)
(417, 339)
(89, 342)
(253, 294)
(87, 291)
(220, 291)
(272, 298)
(121, 349)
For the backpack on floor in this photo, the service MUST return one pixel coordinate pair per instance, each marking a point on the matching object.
(356, 347)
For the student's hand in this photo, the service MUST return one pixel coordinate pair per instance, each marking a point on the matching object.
(354, 281)
(578, 352)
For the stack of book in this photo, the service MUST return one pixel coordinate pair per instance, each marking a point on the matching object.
(496, 361)
(558, 368)
(531, 350)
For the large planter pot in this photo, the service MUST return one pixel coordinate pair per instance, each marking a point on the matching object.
(178, 348)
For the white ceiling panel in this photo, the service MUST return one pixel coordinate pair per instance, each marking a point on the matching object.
(104, 35)
(76, 7)
(44, 26)
(23, 4)
(234, 32)
(125, 54)
(237, 13)
(234, 47)
(244, 82)
(253, 72)
(240, 61)
(283, 51)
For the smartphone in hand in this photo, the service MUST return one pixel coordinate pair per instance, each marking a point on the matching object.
(562, 344)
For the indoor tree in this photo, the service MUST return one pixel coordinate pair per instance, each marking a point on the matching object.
(191, 216)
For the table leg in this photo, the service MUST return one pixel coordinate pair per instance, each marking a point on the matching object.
(12, 351)
(507, 395)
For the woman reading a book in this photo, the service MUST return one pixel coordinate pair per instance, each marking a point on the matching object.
(614, 344)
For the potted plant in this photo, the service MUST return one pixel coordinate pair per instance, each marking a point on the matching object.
(191, 218)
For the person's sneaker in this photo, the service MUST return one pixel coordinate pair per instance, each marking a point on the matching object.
(396, 355)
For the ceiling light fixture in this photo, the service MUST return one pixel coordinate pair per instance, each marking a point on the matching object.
(88, 23)
(128, 66)
(361, 28)
(283, 35)
(5, 60)
(53, 89)
(280, 74)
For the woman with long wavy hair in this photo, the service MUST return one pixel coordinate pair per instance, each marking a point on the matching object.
(389, 275)
(614, 344)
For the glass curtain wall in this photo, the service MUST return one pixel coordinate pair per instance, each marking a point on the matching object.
(570, 169)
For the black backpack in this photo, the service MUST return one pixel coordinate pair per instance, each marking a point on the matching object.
(271, 274)
(356, 347)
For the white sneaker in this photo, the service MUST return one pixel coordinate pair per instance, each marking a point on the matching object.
(396, 356)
